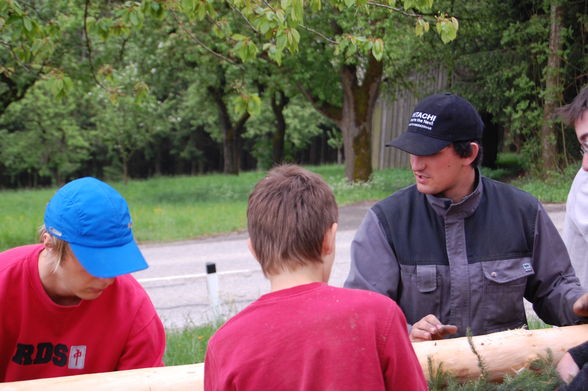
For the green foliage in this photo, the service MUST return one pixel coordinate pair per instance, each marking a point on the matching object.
(188, 345)
(553, 187)
(49, 139)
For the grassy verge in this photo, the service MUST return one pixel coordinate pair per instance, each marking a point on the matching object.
(179, 208)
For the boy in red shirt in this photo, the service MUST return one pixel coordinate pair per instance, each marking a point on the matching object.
(69, 305)
(305, 334)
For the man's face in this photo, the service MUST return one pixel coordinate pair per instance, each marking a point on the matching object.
(77, 282)
(581, 126)
(442, 174)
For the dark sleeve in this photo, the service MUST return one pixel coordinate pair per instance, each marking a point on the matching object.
(373, 264)
(580, 354)
(580, 382)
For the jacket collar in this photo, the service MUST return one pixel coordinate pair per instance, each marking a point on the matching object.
(444, 207)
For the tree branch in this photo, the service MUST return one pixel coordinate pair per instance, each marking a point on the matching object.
(88, 44)
(334, 113)
(199, 42)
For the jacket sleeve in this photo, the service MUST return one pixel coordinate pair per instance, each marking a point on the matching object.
(373, 264)
(554, 287)
(146, 342)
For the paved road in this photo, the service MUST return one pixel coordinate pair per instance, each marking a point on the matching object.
(176, 279)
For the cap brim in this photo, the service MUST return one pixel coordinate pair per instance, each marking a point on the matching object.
(107, 262)
(418, 144)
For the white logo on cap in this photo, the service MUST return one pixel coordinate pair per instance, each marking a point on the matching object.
(55, 232)
(422, 120)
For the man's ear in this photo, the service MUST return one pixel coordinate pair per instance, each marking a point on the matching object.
(250, 247)
(329, 240)
(473, 154)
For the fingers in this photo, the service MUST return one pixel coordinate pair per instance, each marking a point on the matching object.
(567, 368)
(430, 328)
(581, 305)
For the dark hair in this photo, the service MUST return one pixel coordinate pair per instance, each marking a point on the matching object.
(288, 214)
(572, 112)
(464, 149)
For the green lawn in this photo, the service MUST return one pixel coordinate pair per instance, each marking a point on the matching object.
(179, 208)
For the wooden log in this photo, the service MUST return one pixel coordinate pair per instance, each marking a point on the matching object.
(176, 378)
(502, 353)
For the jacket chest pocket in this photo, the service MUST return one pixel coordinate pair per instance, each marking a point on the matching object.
(421, 291)
(504, 289)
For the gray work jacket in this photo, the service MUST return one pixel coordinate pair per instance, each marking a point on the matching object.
(471, 263)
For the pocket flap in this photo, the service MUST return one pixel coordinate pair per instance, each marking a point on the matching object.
(507, 270)
(426, 278)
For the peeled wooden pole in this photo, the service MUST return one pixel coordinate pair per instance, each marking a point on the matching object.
(503, 353)
(172, 378)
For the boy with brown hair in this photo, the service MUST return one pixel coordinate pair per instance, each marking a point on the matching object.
(304, 334)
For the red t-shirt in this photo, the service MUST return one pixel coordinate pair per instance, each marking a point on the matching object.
(314, 337)
(39, 338)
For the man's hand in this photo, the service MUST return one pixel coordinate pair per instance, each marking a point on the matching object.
(581, 305)
(567, 368)
(430, 328)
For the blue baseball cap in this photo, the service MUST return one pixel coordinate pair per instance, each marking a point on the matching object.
(94, 220)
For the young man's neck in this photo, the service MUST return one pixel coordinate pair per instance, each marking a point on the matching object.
(465, 187)
(307, 274)
(50, 281)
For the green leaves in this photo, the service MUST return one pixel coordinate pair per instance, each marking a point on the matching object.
(245, 48)
(421, 27)
(349, 45)
(59, 84)
(247, 103)
(447, 28)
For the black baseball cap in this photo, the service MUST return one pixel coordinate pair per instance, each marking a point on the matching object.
(438, 121)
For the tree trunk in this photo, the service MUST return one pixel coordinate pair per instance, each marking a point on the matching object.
(356, 123)
(279, 100)
(231, 132)
(552, 90)
(355, 117)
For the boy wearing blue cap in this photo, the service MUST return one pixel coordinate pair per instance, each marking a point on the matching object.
(69, 304)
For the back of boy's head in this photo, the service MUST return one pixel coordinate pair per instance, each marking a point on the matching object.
(288, 214)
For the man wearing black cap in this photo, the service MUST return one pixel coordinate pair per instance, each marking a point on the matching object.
(69, 305)
(457, 250)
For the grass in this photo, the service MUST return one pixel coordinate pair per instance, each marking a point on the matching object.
(179, 208)
(188, 345)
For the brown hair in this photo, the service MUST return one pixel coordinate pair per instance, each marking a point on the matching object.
(572, 112)
(288, 214)
(60, 247)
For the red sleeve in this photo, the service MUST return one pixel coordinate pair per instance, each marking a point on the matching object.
(402, 370)
(210, 374)
(146, 342)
